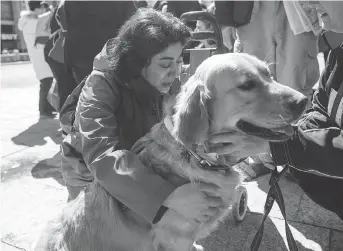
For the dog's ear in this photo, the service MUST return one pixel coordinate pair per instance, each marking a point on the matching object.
(191, 121)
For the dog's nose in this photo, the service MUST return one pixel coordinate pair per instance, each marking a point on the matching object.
(298, 107)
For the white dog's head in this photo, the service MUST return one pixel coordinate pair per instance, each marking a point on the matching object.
(235, 92)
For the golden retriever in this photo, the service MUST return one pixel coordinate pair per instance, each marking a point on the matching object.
(228, 92)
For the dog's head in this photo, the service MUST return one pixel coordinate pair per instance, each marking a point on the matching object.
(235, 92)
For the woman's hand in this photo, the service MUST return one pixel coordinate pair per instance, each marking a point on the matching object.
(196, 203)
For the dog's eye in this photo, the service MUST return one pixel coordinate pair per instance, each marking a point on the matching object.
(247, 86)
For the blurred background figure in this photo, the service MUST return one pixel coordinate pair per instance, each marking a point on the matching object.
(161, 6)
(206, 26)
(89, 24)
(27, 24)
(54, 55)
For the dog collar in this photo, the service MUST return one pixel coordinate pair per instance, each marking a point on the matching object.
(204, 163)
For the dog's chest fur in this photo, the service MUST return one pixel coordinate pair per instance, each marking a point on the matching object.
(169, 159)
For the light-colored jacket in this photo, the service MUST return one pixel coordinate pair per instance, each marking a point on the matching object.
(27, 24)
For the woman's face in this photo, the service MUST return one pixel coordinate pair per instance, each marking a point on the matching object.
(164, 68)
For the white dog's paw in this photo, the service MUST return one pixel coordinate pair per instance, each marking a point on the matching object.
(197, 247)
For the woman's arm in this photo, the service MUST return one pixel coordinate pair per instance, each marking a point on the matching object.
(119, 172)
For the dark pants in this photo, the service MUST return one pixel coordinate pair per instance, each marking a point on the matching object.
(44, 106)
(80, 72)
(65, 81)
(326, 192)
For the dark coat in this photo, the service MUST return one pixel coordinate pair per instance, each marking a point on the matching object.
(89, 25)
(233, 13)
(177, 8)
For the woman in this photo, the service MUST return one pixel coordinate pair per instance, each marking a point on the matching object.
(120, 102)
(27, 24)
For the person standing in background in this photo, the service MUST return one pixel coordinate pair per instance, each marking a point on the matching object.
(54, 55)
(270, 30)
(27, 24)
(89, 25)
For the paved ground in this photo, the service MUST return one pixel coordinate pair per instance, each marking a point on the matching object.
(32, 189)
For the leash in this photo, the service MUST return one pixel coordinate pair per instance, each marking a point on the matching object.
(274, 194)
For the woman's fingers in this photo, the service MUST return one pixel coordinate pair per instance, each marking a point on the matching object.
(209, 188)
(209, 214)
(211, 211)
(214, 201)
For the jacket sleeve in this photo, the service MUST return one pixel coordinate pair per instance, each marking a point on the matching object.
(317, 146)
(119, 172)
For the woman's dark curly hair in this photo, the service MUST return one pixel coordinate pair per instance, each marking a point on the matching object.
(145, 34)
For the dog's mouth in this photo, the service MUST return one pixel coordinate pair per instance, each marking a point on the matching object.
(270, 134)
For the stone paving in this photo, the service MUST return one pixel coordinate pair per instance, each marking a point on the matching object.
(32, 188)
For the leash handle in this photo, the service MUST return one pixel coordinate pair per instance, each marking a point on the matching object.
(274, 193)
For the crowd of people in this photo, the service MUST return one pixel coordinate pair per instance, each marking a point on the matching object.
(115, 61)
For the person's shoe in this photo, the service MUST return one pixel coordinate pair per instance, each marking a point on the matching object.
(253, 168)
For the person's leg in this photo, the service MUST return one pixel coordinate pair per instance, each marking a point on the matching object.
(326, 192)
(66, 82)
(80, 72)
(256, 38)
(296, 56)
(45, 109)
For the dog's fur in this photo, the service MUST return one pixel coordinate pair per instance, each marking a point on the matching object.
(225, 89)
